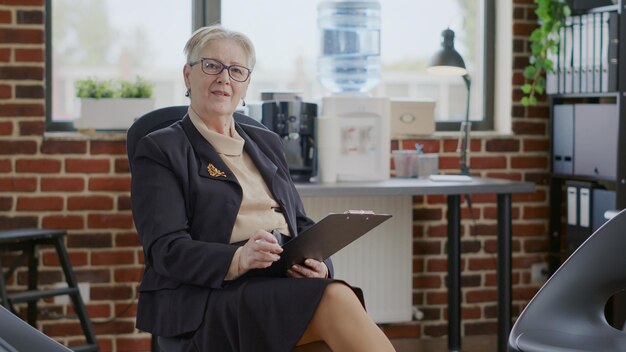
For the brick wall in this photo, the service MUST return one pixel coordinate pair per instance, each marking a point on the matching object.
(82, 184)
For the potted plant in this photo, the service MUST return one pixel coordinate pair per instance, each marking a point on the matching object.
(112, 104)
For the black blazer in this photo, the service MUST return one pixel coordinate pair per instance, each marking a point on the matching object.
(185, 216)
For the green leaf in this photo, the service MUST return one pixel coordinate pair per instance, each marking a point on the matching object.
(526, 88)
(529, 72)
(525, 101)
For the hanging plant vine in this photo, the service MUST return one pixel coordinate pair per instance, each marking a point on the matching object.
(544, 43)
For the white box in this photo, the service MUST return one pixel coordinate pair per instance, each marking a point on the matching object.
(412, 117)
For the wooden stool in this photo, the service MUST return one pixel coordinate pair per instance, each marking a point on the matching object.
(26, 241)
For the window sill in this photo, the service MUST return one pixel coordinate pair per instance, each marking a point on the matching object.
(87, 135)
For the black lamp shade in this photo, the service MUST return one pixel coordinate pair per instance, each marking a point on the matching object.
(447, 60)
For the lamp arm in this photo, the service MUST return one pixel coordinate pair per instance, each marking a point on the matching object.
(466, 126)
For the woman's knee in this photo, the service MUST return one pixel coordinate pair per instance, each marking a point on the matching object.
(338, 293)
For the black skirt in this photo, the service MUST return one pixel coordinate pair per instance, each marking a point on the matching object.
(259, 314)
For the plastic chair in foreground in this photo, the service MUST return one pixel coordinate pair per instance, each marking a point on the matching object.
(567, 314)
(17, 335)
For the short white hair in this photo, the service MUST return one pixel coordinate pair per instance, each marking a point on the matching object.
(203, 36)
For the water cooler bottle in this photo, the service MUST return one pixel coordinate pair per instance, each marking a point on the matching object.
(349, 66)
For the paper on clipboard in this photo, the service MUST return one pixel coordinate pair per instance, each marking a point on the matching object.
(323, 239)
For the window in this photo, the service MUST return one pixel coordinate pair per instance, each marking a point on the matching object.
(108, 39)
(288, 46)
(114, 39)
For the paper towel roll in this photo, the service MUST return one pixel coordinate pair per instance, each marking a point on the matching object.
(328, 148)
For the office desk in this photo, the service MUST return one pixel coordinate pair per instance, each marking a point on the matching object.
(454, 191)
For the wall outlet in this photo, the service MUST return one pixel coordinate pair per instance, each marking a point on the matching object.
(539, 273)
(83, 287)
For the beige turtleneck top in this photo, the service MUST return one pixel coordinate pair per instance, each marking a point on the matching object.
(257, 211)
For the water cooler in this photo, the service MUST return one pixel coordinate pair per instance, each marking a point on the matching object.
(352, 123)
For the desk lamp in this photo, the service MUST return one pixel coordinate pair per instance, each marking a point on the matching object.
(448, 61)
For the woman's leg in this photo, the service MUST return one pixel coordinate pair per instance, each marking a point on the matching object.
(343, 324)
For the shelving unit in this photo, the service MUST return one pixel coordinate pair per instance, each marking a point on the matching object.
(616, 100)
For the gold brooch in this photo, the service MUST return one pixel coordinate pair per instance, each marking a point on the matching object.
(215, 172)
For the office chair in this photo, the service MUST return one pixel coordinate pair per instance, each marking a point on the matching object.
(567, 314)
(17, 335)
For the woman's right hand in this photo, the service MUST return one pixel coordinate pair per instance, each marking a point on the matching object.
(259, 252)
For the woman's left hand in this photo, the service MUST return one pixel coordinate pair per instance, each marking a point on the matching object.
(311, 269)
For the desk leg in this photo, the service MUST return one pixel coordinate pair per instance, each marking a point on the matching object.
(504, 270)
(454, 273)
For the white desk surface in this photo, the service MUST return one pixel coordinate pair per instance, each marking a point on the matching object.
(413, 186)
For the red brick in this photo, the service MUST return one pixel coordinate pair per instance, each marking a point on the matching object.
(448, 162)
(488, 162)
(87, 165)
(450, 145)
(529, 128)
(76, 258)
(63, 147)
(62, 329)
(133, 344)
(437, 265)
(31, 128)
(437, 298)
(67, 184)
(109, 184)
(427, 281)
(110, 221)
(112, 292)
(68, 222)
(502, 145)
(123, 203)
(18, 184)
(115, 328)
(89, 203)
(25, 36)
(38, 165)
(532, 230)
(5, 17)
(17, 222)
(89, 240)
(427, 247)
(130, 239)
(529, 162)
(108, 147)
(110, 258)
(22, 73)
(513, 176)
(481, 296)
(39, 203)
(5, 55)
(31, 91)
(536, 145)
(6, 203)
(536, 212)
(6, 91)
(121, 166)
(481, 264)
(5, 165)
(131, 275)
(17, 147)
(6, 128)
(30, 17)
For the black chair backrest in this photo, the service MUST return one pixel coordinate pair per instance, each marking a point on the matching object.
(164, 117)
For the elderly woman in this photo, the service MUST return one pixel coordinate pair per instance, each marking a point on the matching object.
(206, 192)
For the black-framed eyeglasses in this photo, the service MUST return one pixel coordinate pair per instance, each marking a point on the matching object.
(215, 67)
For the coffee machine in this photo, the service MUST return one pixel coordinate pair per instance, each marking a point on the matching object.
(294, 121)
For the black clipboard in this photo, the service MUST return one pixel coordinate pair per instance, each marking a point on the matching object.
(323, 239)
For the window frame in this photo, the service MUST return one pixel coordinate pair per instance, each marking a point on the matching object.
(209, 12)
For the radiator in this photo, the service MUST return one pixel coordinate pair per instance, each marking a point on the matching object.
(380, 262)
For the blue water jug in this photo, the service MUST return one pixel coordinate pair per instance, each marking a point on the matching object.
(349, 58)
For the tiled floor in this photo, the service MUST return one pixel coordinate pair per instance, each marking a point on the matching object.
(483, 343)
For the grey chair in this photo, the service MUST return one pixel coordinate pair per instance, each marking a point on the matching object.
(17, 335)
(567, 314)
